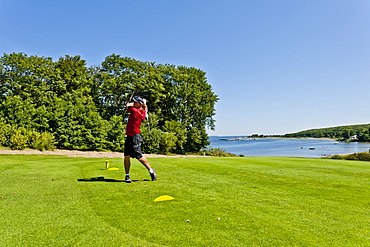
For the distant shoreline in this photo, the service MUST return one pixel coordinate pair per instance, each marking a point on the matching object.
(261, 138)
(287, 146)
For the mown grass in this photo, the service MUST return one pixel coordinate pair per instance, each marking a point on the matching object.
(249, 201)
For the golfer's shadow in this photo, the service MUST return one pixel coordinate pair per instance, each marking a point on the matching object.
(102, 179)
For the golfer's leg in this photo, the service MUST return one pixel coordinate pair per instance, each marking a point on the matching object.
(145, 162)
(127, 163)
(152, 172)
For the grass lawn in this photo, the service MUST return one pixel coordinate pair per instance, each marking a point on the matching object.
(250, 201)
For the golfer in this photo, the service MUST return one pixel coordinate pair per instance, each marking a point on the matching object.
(138, 112)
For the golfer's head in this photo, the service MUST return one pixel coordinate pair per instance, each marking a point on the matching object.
(138, 101)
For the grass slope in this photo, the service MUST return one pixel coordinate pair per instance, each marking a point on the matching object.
(62, 201)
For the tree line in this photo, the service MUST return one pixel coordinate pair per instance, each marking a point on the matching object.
(360, 132)
(68, 105)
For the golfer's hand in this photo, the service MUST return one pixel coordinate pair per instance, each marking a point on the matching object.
(145, 107)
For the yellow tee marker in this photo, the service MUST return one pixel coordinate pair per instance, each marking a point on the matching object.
(107, 166)
(164, 198)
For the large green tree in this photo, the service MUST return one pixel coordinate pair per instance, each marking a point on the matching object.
(54, 97)
(84, 108)
(175, 94)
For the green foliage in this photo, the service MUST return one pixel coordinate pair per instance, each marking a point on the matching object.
(152, 140)
(359, 132)
(363, 156)
(218, 152)
(153, 136)
(5, 130)
(196, 135)
(84, 108)
(178, 95)
(175, 127)
(337, 157)
(19, 138)
(116, 134)
(168, 142)
(42, 142)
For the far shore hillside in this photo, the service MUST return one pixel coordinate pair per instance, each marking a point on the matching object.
(270, 137)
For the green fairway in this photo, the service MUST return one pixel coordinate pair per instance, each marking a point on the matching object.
(63, 201)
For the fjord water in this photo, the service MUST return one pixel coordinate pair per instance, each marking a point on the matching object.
(264, 147)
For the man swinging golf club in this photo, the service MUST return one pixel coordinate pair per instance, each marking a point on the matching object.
(138, 112)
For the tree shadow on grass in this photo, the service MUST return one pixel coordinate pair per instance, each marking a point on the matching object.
(102, 179)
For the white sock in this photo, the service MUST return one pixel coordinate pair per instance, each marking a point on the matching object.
(151, 170)
(127, 175)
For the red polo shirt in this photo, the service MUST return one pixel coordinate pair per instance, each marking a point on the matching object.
(134, 121)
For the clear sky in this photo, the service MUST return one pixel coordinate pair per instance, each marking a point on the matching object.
(278, 66)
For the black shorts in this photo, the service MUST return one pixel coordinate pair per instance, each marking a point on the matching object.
(133, 146)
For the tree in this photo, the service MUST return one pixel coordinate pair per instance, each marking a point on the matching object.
(347, 133)
(84, 108)
(24, 86)
(179, 94)
(121, 77)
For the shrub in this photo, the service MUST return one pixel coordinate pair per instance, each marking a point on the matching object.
(218, 152)
(43, 141)
(364, 156)
(168, 142)
(337, 156)
(18, 139)
(151, 140)
(350, 156)
(5, 130)
(21, 138)
(116, 134)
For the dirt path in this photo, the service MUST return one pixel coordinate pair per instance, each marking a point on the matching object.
(87, 154)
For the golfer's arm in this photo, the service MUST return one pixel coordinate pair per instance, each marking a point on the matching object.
(129, 104)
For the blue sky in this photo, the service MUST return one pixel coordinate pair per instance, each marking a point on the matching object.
(278, 66)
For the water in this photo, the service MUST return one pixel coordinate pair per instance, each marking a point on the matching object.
(311, 148)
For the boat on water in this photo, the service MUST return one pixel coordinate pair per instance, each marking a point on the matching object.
(237, 139)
